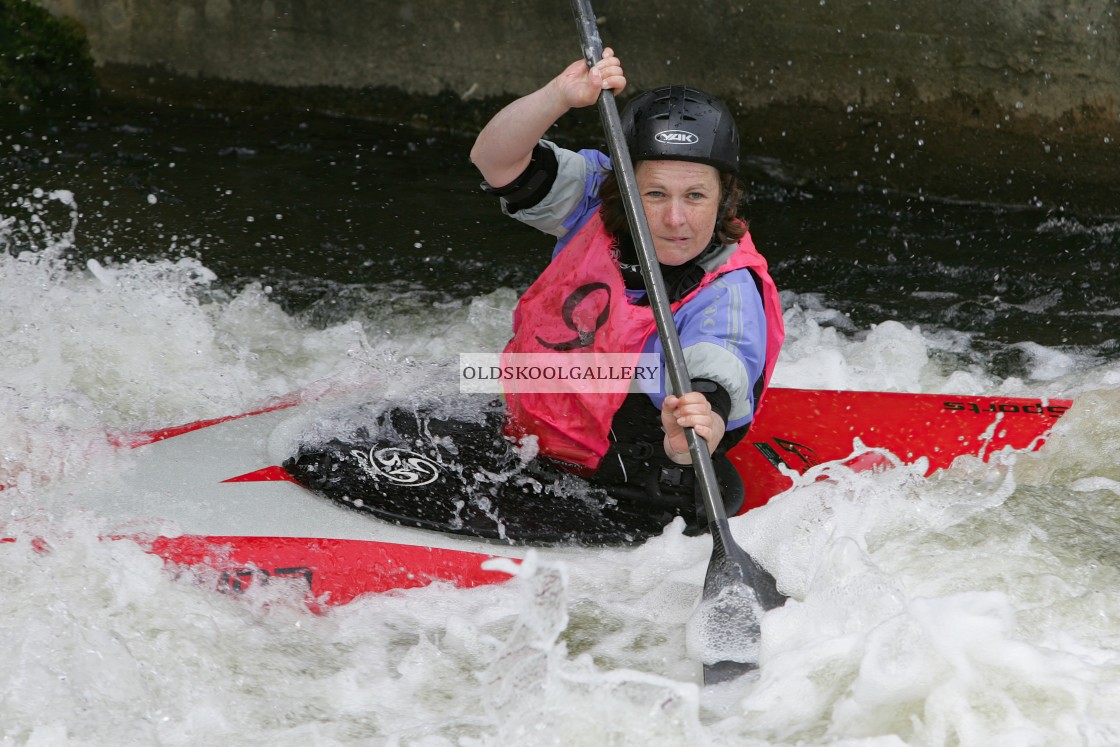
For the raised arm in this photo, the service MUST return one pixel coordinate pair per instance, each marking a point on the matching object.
(505, 145)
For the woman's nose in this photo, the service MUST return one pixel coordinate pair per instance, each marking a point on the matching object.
(674, 213)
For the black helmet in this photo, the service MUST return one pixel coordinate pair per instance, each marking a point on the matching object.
(683, 124)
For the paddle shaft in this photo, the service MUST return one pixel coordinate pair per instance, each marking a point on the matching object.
(733, 577)
(651, 272)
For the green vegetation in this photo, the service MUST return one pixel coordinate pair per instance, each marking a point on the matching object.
(44, 61)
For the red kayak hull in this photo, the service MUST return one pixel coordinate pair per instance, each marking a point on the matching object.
(795, 430)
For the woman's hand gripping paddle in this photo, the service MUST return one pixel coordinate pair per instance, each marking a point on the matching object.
(736, 589)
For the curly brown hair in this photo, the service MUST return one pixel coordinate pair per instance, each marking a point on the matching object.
(729, 226)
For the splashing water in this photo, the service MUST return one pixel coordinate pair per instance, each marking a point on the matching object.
(976, 607)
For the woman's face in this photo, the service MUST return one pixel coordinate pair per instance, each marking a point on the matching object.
(681, 199)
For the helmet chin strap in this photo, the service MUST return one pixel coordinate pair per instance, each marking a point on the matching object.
(679, 279)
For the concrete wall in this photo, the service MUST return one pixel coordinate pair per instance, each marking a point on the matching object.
(1043, 68)
(1034, 56)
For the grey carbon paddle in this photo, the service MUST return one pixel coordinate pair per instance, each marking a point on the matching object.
(736, 589)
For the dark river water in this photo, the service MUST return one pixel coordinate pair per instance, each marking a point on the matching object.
(330, 212)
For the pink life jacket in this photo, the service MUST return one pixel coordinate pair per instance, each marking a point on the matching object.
(579, 305)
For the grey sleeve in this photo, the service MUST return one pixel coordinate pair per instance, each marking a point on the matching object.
(567, 193)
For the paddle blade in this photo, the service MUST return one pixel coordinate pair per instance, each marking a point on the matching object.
(727, 624)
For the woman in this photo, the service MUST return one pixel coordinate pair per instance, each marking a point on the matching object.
(423, 467)
(685, 147)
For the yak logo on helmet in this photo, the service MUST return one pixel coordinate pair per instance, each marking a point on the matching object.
(677, 137)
